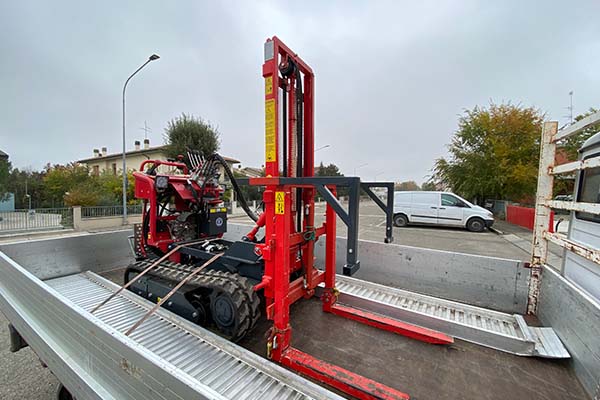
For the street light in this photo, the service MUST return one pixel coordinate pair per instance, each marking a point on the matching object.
(322, 147)
(151, 58)
(360, 166)
(377, 174)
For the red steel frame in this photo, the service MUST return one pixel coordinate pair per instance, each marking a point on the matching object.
(282, 242)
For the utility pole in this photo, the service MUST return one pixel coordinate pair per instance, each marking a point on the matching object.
(360, 166)
(27, 195)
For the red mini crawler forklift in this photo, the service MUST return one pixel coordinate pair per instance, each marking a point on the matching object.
(215, 282)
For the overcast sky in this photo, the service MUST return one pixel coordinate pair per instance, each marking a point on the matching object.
(391, 77)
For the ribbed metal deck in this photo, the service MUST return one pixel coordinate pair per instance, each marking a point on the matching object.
(227, 369)
(489, 328)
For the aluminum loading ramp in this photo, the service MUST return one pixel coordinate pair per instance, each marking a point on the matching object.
(501, 331)
(222, 369)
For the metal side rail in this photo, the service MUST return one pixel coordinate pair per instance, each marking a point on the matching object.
(501, 331)
(226, 370)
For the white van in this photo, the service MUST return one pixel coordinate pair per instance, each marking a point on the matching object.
(439, 208)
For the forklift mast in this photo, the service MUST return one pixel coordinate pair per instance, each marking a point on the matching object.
(288, 248)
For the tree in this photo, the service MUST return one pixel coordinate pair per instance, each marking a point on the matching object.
(329, 170)
(82, 195)
(572, 144)
(190, 133)
(5, 168)
(493, 154)
(62, 179)
(22, 182)
(569, 149)
(406, 186)
(429, 186)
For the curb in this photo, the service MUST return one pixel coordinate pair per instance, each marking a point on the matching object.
(19, 234)
(496, 231)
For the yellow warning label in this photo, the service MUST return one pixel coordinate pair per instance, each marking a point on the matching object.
(158, 299)
(268, 85)
(279, 202)
(270, 149)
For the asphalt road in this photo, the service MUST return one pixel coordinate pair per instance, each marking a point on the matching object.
(372, 227)
(487, 243)
(23, 377)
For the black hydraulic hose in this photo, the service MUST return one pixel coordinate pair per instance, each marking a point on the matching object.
(236, 187)
(284, 135)
(299, 122)
(299, 144)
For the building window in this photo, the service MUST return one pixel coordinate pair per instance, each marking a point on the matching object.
(114, 168)
(96, 170)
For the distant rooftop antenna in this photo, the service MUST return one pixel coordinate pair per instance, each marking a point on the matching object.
(570, 108)
(146, 129)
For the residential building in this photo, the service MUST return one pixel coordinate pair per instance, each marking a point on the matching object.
(251, 172)
(102, 161)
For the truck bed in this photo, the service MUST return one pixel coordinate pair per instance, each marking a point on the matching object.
(217, 367)
(460, 371)
(47, 286)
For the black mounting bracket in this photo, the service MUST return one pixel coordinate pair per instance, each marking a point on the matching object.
(349, 217)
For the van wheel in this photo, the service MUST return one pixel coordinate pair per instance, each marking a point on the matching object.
(400, 220)
(476, 225)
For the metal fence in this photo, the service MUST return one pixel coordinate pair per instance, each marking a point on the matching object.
(110, 211)
(36, 219)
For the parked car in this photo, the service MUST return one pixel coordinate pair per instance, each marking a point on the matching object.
(439, 208)
(564, 197)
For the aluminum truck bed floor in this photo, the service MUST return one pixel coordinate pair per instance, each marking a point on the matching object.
(424, 371)
(488, 328)
(461, 371)
(229, 371)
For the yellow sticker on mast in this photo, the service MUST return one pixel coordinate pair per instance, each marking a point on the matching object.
(279, 202)
(268, 85)
(270, 147)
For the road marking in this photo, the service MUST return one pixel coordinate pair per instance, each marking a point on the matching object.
(382, 222)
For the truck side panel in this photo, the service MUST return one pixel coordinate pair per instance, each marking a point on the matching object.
(87, 357)
(575, 317)
(489, 282)
(52, 258)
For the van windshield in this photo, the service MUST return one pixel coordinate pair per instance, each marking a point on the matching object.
(452, 201)
(589, 192)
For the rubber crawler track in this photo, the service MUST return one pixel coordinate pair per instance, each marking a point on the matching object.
(239, 289)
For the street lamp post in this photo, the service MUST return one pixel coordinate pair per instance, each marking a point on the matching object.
(322, 147)
(151, 58)
(360, 166)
